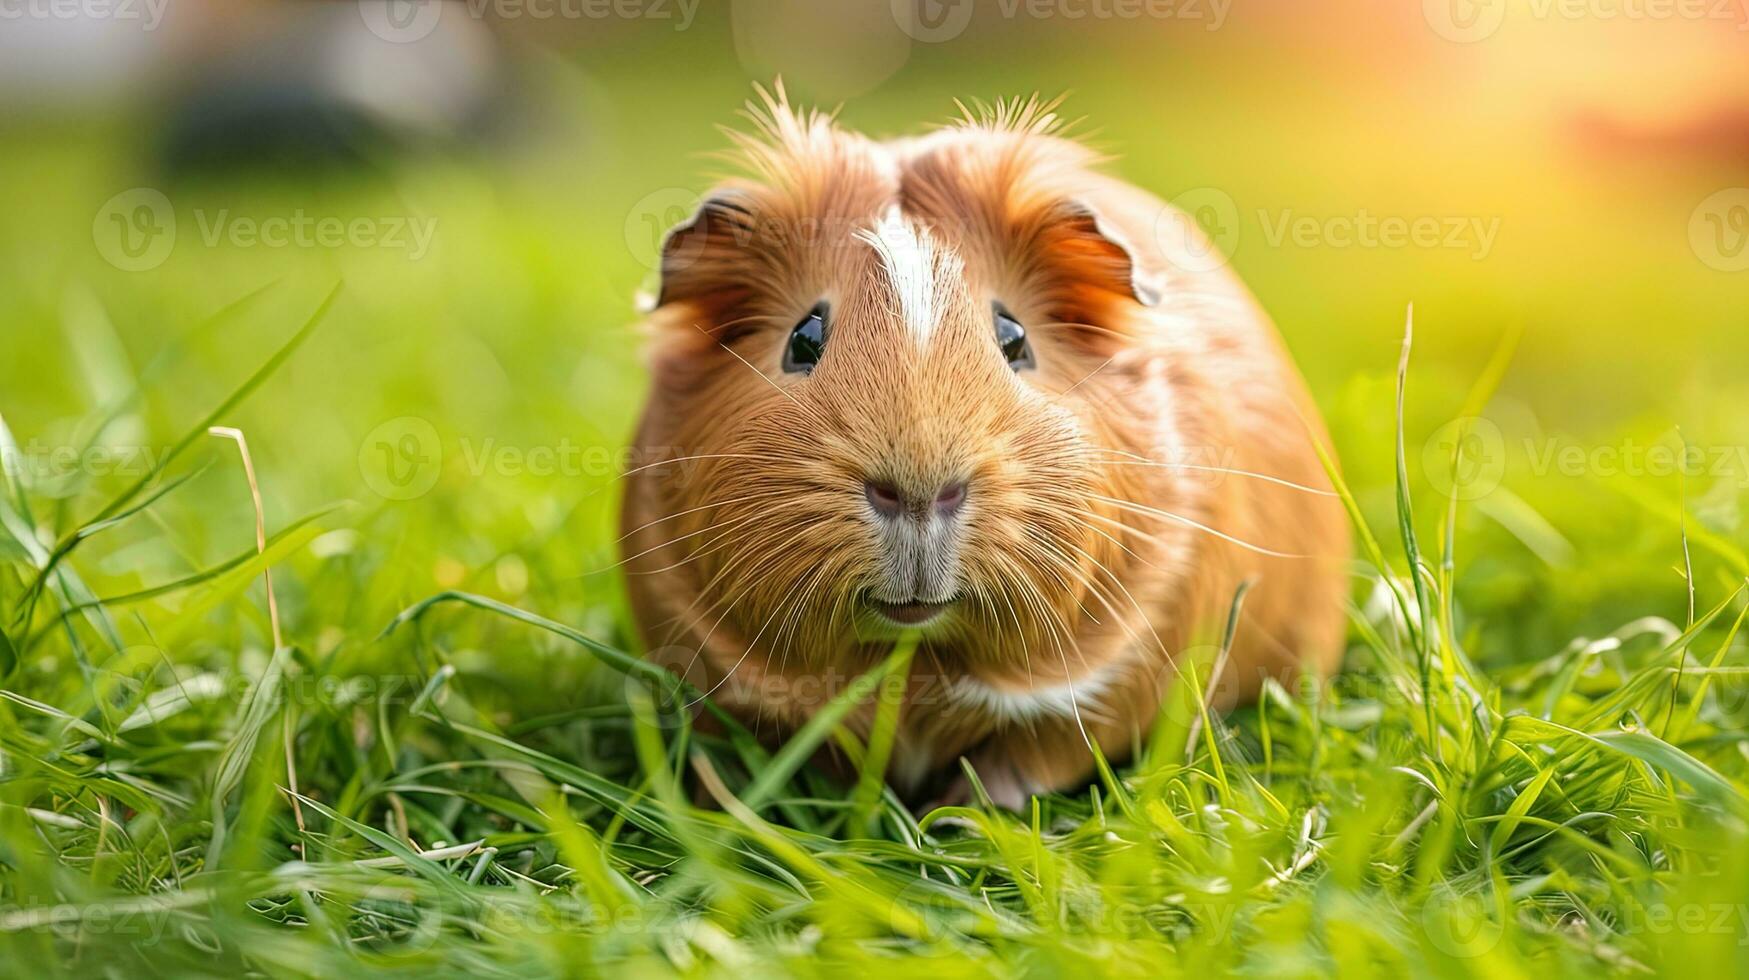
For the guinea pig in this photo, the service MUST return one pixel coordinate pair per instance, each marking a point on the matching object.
(966, 385)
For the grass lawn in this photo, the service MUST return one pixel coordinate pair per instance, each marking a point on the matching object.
(427, 750)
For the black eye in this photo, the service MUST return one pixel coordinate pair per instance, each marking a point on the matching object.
(1011, 337)
(806, 342)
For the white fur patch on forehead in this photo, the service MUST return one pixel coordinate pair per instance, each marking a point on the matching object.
(915, 265)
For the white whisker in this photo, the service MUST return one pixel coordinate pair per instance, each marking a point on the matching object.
(1168, 515)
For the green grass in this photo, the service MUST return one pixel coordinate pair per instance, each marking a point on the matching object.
(1534, 763)
(1584, 812)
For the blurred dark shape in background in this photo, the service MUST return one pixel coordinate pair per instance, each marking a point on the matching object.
(309, 86)
(296, 89)
(1717, 135)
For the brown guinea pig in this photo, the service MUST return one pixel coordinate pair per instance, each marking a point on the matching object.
(966, 385)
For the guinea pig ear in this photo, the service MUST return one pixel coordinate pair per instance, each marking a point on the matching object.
(1090, 252)
(698, 254)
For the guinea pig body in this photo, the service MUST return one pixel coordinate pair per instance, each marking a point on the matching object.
(967, 385)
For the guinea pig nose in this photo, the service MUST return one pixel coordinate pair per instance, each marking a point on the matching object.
(885, 498)
(950, 497)
(890, 501)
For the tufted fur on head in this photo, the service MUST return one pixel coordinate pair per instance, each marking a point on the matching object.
(1116, 491)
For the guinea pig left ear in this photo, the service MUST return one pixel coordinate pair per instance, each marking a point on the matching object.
(697, 256)
(1093, 251)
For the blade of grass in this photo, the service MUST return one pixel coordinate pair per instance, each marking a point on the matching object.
(1418, 624)
(188, 439)
(815, 731)
(871, 780)
(1718, 660)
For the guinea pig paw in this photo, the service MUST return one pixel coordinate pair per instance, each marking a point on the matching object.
(1003, 783)
(1007, 788)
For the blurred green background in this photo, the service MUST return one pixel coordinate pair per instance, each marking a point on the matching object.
(467, 397)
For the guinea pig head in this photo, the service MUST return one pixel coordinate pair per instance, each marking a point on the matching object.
(878, 425)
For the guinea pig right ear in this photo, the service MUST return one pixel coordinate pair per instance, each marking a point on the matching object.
(698, 255)
(1097, 253)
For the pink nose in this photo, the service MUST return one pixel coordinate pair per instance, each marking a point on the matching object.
(891, 502)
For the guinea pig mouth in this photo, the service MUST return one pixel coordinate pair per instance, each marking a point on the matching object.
(912, 613)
